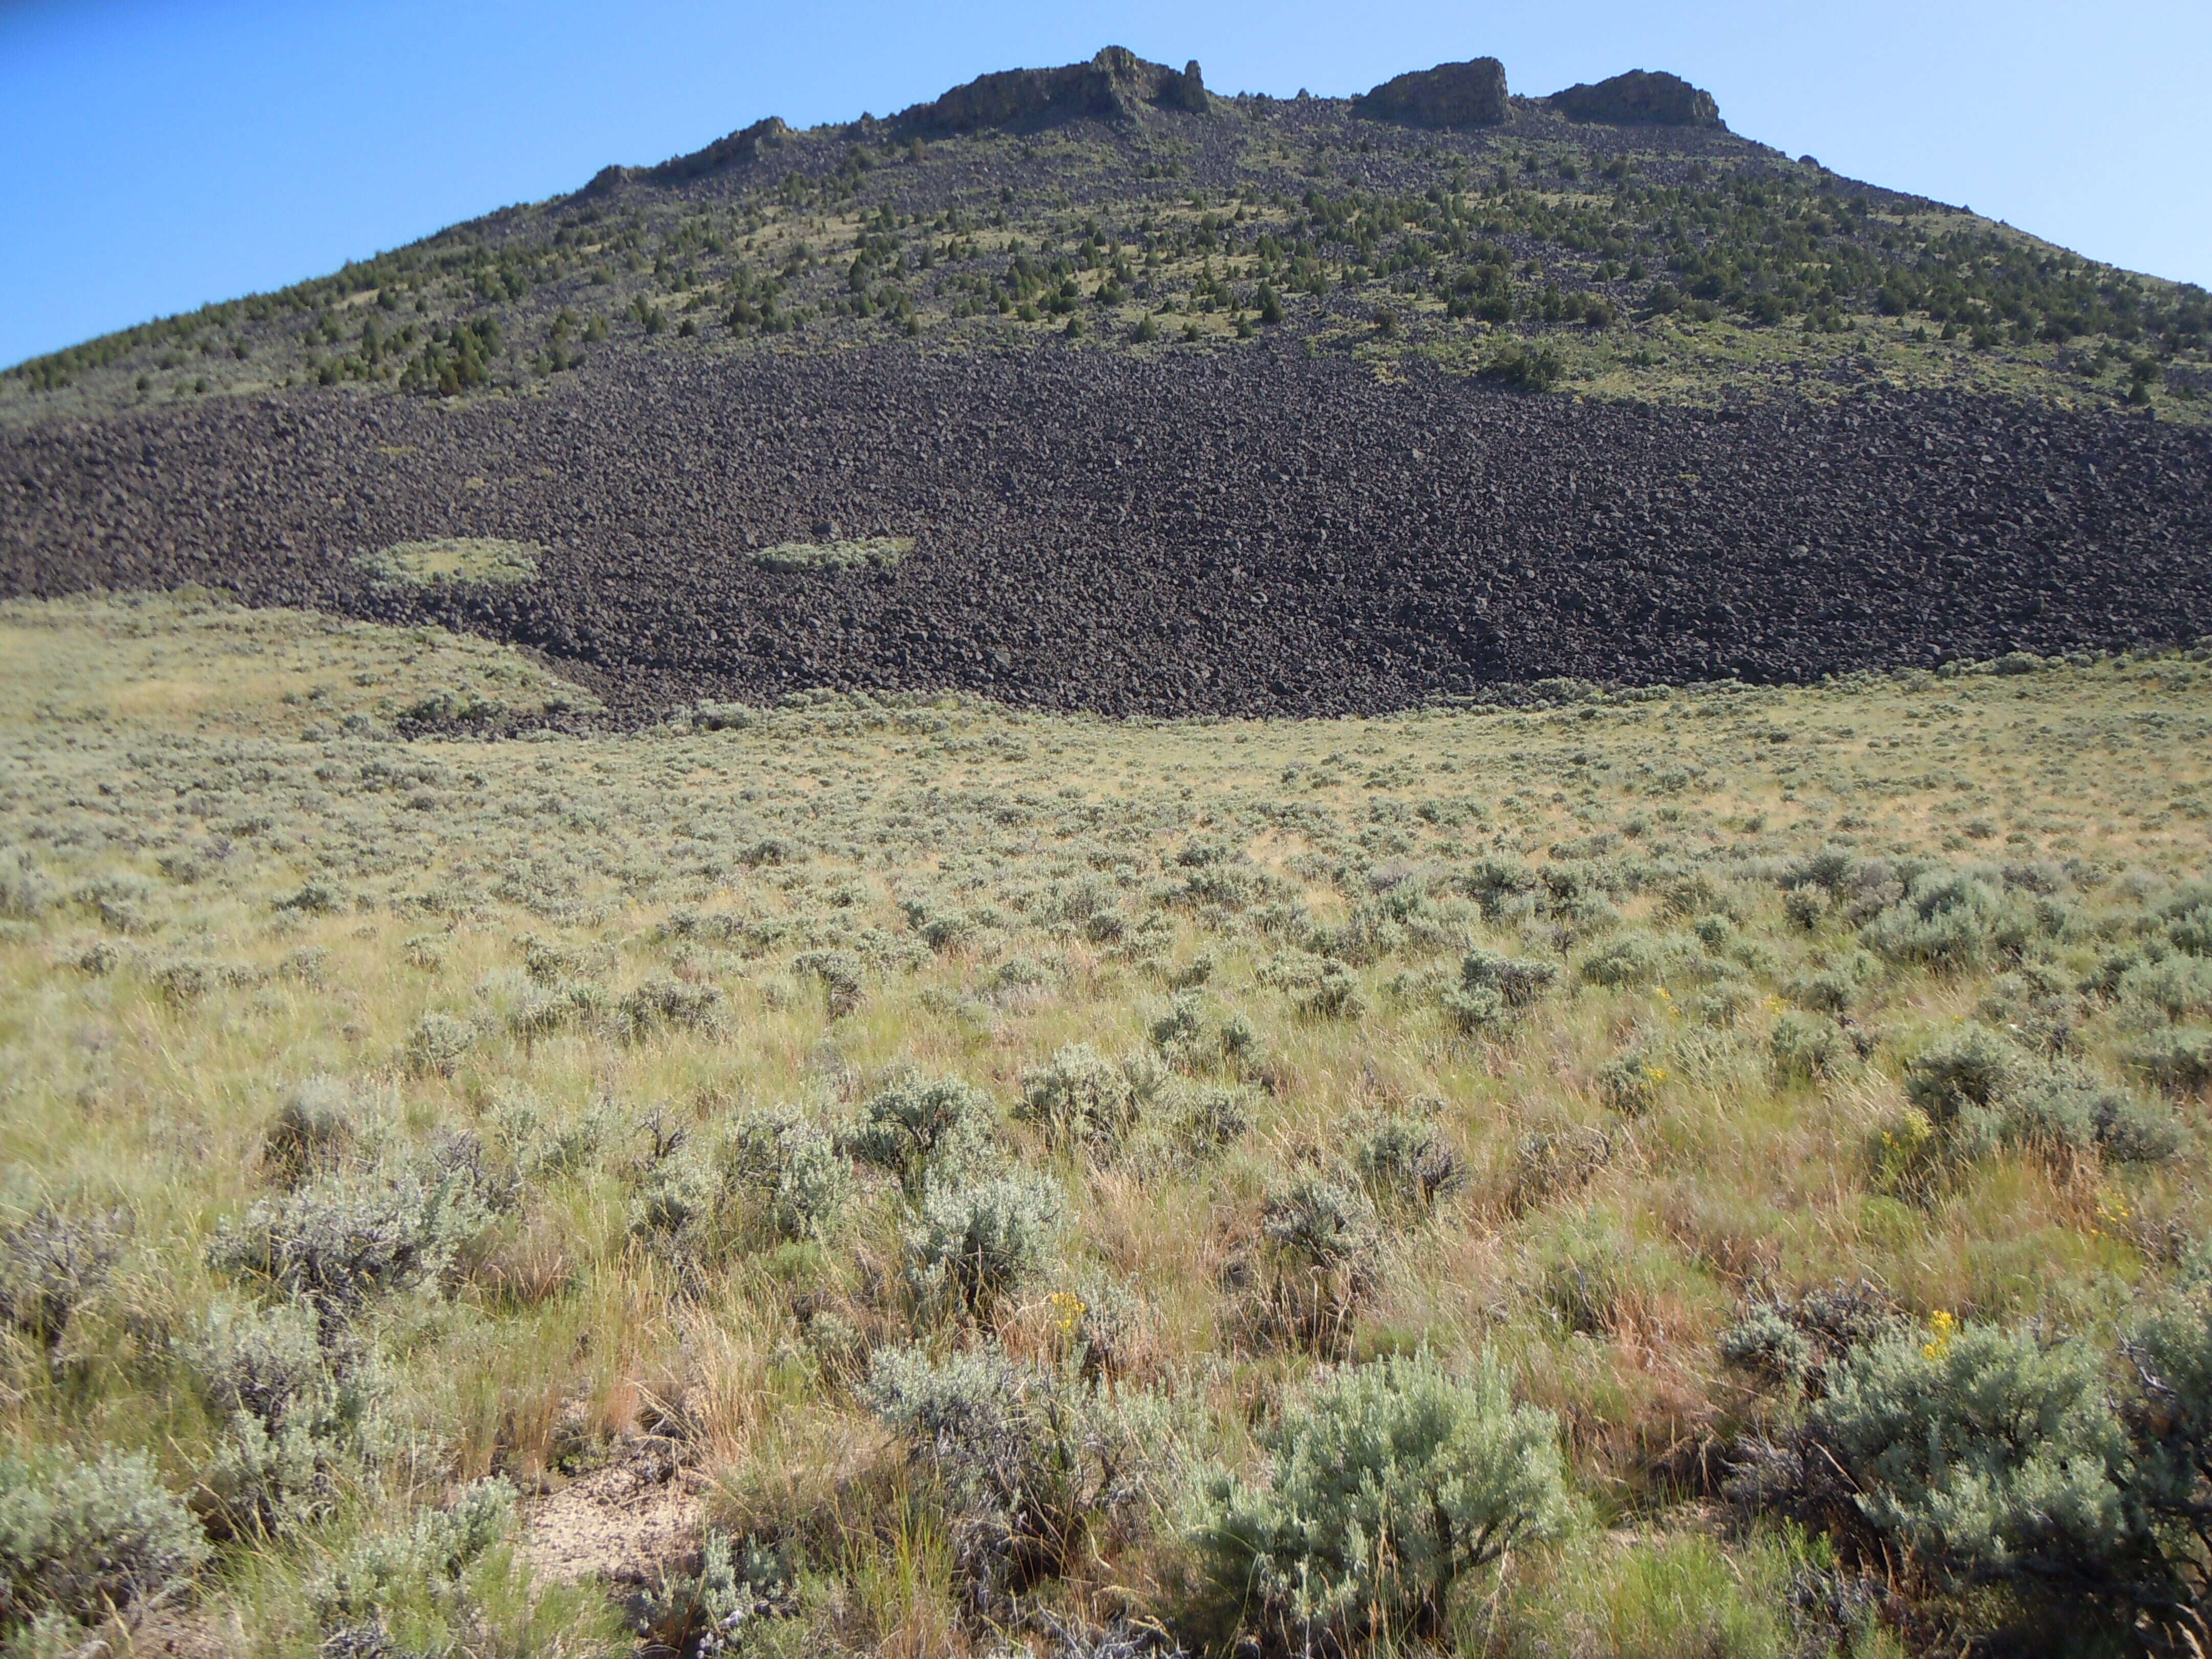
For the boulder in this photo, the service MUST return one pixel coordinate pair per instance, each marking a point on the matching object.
(1639, 98)
(1116, 85)
(1469, 94)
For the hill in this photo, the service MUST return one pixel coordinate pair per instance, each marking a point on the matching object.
(1151, 399)
(661, 997)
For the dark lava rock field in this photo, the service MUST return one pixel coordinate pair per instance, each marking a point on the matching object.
(1260, 533)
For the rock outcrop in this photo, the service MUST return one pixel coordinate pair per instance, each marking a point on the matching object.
(740, 147)
(1639, 98)
(1469, 94)
(1116, 85)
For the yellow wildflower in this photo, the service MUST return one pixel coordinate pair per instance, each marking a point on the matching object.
(1945, 1327)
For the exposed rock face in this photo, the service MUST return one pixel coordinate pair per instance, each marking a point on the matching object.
(1469, 94)
(1116, 84)
(1639, 98)
(738, 147)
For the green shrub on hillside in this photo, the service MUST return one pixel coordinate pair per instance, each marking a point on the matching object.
(344, 1239)
(52, 1263)
(918, 1128)
(1391, 1482)
(972, 1243)
(1080, 1100)
(79, 1541)
(292, 1427)
(1030, 1462)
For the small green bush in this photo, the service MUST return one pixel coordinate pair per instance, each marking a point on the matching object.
(669, 1005)
(1959, 1086)
(2179, 1059)
(917, 1128)
(1527, 368)
(26, 894)
(1947, 922)
(1029, 1460)
(1083, 1102)
(292, 1427)
(843, 976)
(452, 1582)
(2065, 1108)
(1494, 988)
(52, 1263)
(871, 552)
(1321, 1224)
(438, 1044)
(1631, 959)
(344, 1239)
(1629, 1082)
(321, 1122)
(1391, 1482)
(81, 1541)
(1988, 1455)
(1408, 1164)
(973, 1243)
(1804, 1046)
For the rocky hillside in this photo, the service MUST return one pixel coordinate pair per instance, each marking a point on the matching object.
(1090, 386)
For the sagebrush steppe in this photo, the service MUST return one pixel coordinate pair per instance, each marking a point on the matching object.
(528, 1196)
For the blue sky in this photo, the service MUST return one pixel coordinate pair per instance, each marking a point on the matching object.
(154, 155)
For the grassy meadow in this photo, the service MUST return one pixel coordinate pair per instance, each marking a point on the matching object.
(916, 1177)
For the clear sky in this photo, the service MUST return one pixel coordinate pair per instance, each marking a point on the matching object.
(156, 154)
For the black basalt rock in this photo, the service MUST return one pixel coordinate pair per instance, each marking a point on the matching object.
(1116, 84)
(1469, 94)
(1639, 98)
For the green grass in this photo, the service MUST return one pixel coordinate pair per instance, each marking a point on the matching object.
(454, 559)
(237, 879)
(880, 552)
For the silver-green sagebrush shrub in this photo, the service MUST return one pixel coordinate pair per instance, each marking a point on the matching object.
(438, 1044)
(2179, 1059)
(1082, 1101)
(1494, 989)
(2169, 1347)
(1987, 1456)
(714, 1612)
(1391, 1482)
(81, 1541)
(916, 1127)
(294, 1424)
(1974, 1091)
(53, 1262)
(668, 1005)
(344, 1239)
(26, 894)
(1406, 1164)
(321, 1123)
(1951, 922)
(972, 1243)
(771, 1176)
(1803, 1046)
(1320, 1255)
(1029, 1460)
(842, 975)
(452, 1582)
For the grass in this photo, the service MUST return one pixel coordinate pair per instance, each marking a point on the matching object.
(234, 877)
(454, 559)
(879, 551)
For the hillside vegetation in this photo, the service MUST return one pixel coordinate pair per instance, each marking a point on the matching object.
(1707, 1171)
(1648, 261)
